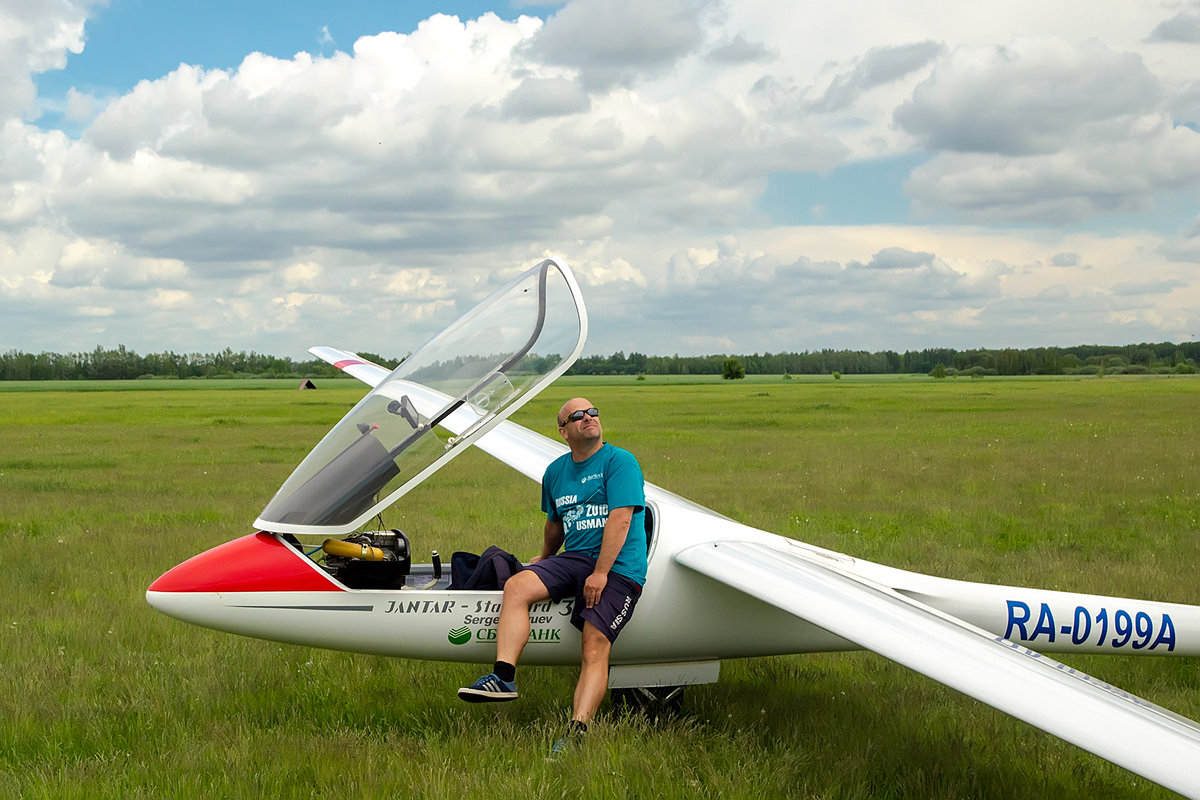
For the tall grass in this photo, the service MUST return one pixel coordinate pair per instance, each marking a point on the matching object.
(1087, 485)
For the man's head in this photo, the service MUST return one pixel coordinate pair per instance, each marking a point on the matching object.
(579, 424)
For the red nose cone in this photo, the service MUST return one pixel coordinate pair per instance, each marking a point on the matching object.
(255, 563)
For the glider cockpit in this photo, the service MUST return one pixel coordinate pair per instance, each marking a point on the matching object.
(440, 399)
(423, 413)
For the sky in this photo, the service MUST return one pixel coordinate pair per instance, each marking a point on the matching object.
(723, 176)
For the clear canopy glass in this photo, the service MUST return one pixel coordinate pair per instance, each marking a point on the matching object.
(445, 395)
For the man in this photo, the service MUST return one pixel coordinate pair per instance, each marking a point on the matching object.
(594, 499)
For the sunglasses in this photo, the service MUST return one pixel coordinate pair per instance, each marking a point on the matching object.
(575, 416)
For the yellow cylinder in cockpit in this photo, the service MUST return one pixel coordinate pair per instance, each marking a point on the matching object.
(339, 547)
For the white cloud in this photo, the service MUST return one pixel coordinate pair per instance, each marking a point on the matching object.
(617, 272)
(1185, 246)
(1093, 178)
(622, 42)
(366, 198)
(302, 275)
(34, 38)
(1139, 287)
(80, 106)
(1040, 130)
(1030, 97)
(536, 98)
(739, 50)
(1183, 27)
(878, 67)
(415, 284)
(171, 299)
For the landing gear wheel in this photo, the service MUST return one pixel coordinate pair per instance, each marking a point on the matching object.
(652, 701)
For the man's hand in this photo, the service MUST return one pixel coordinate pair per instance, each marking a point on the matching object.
(593, 587)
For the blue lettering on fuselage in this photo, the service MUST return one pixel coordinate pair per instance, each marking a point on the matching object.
(1111, 628)
(1045, 624)
(1018, 615)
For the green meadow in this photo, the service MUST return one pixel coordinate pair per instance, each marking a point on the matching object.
(1082, 484)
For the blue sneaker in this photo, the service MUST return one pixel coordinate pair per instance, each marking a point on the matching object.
(563, 744)
(488, 689)
(560, 746)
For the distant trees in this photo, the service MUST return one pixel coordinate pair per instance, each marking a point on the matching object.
(732, 369)
(1084, 359)
(123, 363)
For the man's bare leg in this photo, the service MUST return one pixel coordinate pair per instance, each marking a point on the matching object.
(593, 674)
(589, 691)
(512, 633)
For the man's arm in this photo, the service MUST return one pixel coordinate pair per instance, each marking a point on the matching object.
(552, 539)
(615, 531)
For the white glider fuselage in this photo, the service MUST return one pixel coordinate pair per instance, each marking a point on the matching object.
(682, 616)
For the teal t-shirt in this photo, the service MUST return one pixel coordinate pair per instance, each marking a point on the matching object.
(579, 495)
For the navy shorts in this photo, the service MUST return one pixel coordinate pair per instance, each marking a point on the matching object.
(564, 575)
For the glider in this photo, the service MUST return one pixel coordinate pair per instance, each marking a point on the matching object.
(316, 573)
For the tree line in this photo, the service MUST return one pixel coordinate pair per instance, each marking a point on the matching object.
(122, 363)
(125, 364)
(1084, 359)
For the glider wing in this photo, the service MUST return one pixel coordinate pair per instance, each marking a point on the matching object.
(1120, 727)
(352, 364)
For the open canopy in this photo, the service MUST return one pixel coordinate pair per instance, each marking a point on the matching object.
(444, 396)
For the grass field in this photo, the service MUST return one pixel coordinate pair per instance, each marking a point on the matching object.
(1080, 484)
